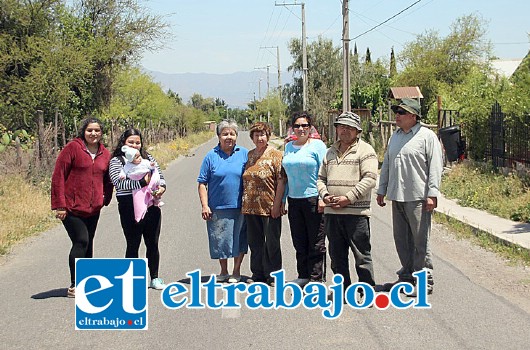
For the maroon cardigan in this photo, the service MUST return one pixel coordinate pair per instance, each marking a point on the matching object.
(79, 184)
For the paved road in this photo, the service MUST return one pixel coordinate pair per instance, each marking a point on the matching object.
(36, 315)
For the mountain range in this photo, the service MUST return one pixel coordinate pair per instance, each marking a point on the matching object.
(236, 89)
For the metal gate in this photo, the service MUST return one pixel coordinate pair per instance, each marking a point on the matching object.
(498, 145)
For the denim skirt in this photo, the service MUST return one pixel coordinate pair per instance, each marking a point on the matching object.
(227, 234)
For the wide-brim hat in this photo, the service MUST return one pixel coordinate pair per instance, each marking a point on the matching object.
(349, 119)
(408, 104)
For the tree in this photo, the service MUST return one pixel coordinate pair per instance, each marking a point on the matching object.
(393, 67)
(368, 57)
(431, 61)
(118, 31)
(175, 96)
(324, 62)
(55, 57)
(137, 98)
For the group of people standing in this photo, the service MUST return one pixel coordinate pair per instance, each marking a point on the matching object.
(328, 192)
(243, 195)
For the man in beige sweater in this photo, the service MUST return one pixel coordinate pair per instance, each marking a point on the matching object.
(345, 181)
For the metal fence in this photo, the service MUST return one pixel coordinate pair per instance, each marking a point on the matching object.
(509, 142)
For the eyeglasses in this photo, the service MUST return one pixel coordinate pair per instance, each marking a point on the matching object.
(298, 126)
(401, 112)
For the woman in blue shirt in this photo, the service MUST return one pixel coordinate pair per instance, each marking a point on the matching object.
(301, 161)
(220, 191)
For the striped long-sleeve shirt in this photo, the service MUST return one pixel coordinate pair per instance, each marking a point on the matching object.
(126, 186)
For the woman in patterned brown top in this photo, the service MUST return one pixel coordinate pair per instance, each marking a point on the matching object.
(263, 187)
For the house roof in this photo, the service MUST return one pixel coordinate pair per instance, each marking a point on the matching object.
(506, 68)
(405, 92)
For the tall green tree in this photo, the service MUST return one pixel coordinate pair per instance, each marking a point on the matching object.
(324, 63)
(368, 56)
(137, 98)
(59, 57)
(118, 31)
(393, 65)
(431, 61)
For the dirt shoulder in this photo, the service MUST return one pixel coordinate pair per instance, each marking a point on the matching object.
(483, 267)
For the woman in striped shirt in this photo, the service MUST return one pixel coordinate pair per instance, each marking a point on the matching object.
(149, 226)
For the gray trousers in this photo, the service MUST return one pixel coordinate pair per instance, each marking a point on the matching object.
(263, 234)
(347, 232)
(412, 229)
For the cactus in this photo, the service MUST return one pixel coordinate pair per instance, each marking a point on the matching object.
(6, 139)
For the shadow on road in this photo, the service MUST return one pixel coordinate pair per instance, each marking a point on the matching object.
(205, 279)
(54, 293)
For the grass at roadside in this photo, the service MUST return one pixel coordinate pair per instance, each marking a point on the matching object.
(24, 210)
(513, 254)
(166, 152)
(25, 207)
(479, 187)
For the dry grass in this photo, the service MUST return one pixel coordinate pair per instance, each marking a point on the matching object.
(24, 210)
(25, 207)
(166, 152)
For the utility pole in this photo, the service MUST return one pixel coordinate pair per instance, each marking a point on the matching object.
(279, 83)
(278, 64)
(268, 91)
(268, 82)
(346, 102)
(304, 53)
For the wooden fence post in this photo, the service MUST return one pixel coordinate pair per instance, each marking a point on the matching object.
(55, 132)
(40, 133)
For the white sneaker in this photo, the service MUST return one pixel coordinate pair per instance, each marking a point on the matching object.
(157, 283)
(301, 281)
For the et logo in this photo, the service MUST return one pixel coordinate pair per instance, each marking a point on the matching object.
(111, 294)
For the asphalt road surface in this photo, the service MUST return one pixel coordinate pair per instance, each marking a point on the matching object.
(35, 314)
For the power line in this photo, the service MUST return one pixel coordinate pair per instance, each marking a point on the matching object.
(388, 19)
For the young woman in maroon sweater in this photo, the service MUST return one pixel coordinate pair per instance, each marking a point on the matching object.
(80, 188)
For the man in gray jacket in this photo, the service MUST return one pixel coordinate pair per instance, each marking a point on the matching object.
(345, 182)
(410, 177)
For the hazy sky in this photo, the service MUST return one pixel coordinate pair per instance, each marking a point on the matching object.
(225, 36)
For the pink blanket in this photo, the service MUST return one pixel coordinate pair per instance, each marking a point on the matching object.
(143, 198)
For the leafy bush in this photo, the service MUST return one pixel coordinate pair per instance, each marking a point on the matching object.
(479, 186)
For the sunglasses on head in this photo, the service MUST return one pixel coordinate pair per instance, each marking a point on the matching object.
(298, 126)
(401, 112)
